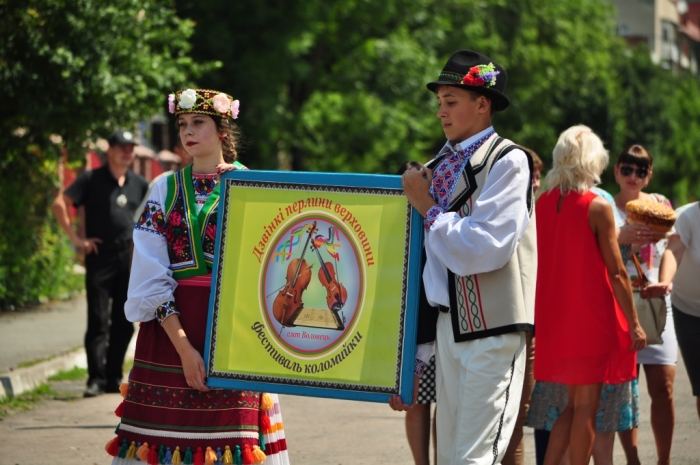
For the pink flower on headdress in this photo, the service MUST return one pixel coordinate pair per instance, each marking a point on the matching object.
(234, 109)
(221, 103)
(171, 103)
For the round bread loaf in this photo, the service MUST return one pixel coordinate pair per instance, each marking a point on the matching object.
(656, 215)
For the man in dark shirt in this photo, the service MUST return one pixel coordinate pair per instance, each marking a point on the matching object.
(110, 195)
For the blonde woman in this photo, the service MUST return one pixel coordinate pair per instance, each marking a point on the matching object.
(587, 328)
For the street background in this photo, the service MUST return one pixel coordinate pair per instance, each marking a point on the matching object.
(324, 86)
(70, 429)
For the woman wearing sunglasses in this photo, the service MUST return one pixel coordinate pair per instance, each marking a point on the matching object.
(633, 172)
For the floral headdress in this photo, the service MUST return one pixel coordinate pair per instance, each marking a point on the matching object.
(204, 101)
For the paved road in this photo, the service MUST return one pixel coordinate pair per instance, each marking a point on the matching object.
(42, 331)
(72, 430)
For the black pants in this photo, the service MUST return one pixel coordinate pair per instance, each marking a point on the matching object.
(541, 443)
(688, 335)
(108, 332)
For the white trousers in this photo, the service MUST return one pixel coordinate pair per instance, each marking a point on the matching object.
(479, 384)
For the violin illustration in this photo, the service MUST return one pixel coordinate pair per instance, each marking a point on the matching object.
(288, 301)
(336, 294)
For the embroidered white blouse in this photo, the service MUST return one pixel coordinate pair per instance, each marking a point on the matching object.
(151, 282)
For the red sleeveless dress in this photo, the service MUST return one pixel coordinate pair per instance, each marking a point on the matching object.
(582, 334)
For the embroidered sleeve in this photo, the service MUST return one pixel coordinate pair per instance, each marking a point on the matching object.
(165, 310)
(152, 219)
(431, 216)
(151, 281)
(420, 367)
(424, 354)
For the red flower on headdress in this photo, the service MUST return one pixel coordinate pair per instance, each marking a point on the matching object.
(481, 76)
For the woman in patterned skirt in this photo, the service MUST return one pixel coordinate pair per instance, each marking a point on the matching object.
(587, 329)
(169, 415)
(618, 409)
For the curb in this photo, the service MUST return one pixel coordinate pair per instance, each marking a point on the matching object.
(21, 380)
(25, 379)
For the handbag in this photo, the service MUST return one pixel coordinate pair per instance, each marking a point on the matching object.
(650, 312)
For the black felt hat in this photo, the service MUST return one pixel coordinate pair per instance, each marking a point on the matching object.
(476, 72)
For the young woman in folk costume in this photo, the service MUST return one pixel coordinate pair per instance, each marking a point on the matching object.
(169, 415)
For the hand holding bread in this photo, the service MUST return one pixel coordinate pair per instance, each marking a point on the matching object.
(650, 215)
(637, 234)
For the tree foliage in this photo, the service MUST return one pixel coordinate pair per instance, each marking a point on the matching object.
(662, 113)
(71, 70)
(327, 85)
(340, 86)
(77, 67)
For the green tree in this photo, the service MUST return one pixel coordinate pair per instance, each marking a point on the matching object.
(662, 113)
(71, 70)
(324, 85)
(340, 86)
(680, 170)
(561, 70)
(647, 88)
(78, 67)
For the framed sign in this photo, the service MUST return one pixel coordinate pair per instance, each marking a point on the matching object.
(316, 285)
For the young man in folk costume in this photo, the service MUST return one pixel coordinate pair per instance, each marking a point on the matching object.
(481, 263)
(169, 415)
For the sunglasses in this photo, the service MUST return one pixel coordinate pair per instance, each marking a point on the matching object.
(627, 170)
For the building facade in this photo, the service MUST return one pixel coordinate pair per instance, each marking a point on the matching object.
(670, 28)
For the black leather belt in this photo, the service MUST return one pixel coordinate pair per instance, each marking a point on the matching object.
(444, 309)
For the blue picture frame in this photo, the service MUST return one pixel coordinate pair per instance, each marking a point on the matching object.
(295, 181)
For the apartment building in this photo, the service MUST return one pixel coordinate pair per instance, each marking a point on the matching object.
(671, 28)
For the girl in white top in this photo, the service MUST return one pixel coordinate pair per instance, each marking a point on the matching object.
(680, 268)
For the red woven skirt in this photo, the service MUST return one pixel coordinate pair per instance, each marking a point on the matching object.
(175, 421)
